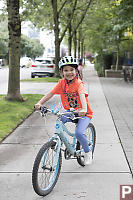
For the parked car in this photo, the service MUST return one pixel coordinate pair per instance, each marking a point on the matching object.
(25, 62)
(43, 67)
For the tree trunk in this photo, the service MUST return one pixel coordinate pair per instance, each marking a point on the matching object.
(75, 43)
(79, 43)
(117, 58)
(82, 48)
(84, 55)
(14, 27)
(56, 33)
(58, 40)
(57, 56)
(69, 39)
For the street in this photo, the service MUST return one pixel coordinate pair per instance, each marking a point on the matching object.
(25, 87)
(25, 73)
(99, 181)
(4, 72)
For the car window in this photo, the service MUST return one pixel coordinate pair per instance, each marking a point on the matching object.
(44, 61)
(39, 60)
(48, 61)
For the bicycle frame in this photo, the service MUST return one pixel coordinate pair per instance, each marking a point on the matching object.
(60, 128)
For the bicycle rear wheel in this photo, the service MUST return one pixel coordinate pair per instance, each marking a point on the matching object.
(90, 133)
(44, 176)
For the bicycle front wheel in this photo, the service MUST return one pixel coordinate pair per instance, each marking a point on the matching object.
(44, 174)
(90, 133)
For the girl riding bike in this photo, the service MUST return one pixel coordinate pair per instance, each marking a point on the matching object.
(73, 95)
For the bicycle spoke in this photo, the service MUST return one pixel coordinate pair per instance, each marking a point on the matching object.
(47, 175)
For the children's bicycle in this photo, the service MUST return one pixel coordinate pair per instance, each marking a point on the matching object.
(47, 164)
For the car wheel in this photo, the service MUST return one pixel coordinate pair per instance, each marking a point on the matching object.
(32, 76)
(51, 75)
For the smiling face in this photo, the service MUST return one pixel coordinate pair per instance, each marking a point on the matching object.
(69, 72)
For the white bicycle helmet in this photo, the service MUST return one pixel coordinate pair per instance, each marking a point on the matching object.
(68, 60)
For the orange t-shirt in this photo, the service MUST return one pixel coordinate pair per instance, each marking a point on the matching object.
(70, 94)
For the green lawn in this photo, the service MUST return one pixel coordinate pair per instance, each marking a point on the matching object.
(13, 113)
(43, 79)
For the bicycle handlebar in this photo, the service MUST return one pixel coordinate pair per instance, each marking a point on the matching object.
(72, 112)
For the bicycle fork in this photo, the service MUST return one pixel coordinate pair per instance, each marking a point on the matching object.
(56, 143)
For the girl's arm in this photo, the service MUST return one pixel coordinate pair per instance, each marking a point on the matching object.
(43, 100)
(82, 112)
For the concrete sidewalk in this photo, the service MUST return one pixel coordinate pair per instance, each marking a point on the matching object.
(119, 96)
(100, 181)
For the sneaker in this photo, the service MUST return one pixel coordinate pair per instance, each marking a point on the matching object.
(88, 158)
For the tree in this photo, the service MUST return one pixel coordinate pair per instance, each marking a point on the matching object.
(120, 22)
(50, 15)
(125, 14)
(80, 15)
(107, 24)
(3, 38)
(37, 49)
(58, 37)
(14, 27)
(31, 47)
(3, 48)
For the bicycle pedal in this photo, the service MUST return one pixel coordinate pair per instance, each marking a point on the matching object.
(62, 150)
(67, 154)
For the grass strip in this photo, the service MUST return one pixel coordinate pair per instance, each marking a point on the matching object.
(13, 113)
(43, 79)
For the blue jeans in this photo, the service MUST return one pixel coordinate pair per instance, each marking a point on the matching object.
(79, 131)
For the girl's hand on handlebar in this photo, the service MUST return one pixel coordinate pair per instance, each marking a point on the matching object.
(37, 106)
(82, 112)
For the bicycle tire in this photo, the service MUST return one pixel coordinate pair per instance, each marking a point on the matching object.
(44, 179)
(91, 136)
